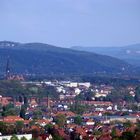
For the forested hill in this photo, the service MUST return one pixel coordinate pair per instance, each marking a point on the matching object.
(130, 53)
(39, 58)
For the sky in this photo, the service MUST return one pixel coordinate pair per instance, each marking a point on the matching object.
(69, 23)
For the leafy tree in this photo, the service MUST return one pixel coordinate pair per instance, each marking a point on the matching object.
(61, 120)
(127, 136)
(20, 99)
(31, 123)
(48, 128)
(19, 126)
(78, 120)
(127, 124)
(78, 108)
(23, 138)
(3, 127)
(137, 135)
(138, 125)
(22, 112)
(57, 137)
(97, 133)
(10, 112)
(14, 137)
(113, 133)
(128, 98)
(7, 107)
(25, 100)
(137, 96)
(35, 133)
(37, 114)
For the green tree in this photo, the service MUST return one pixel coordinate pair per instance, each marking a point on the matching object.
(78, 109)
(60, 120)
(31, 123)
(48, 128)
(113, 133)
(14, 137)
(78, 120)
(137, 96)
(37, 114)
(22, 112)
(127, 124)
(19, 126)
(138, 125)
(57, 137)
(23, 138)
(137, 135)
(127, 136)
(3, 127)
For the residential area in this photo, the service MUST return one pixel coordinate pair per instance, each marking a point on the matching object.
(68, 110)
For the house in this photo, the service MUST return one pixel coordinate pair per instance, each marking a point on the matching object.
(4, 101)
(90, 122)
(27, 136)
(12, 119)
(86, 84)
(45, 137)
(43, 122)
(66, 113)
(18, 104)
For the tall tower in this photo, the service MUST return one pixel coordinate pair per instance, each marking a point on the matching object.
(8, 68)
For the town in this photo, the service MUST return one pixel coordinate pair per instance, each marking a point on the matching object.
(68, 110)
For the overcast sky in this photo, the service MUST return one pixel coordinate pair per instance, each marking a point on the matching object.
(71, 22)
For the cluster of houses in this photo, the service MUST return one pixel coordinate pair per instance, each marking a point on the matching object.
(90, 124)
(103, 113)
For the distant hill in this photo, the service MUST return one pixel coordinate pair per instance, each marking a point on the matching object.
(39, 58)
(130, 53)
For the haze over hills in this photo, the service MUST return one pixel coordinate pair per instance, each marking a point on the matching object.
(130, 53)
(41, 58)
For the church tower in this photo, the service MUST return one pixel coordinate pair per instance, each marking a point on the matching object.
(8, 68)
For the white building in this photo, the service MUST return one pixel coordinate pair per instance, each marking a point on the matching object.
(27, 136)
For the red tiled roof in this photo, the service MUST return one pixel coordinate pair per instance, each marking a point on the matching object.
(12, 119)
(67, 113)
(4, 101)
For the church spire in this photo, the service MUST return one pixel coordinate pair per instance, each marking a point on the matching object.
(8, 68)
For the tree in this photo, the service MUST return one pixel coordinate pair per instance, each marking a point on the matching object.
(19, 126)
(3, 127)
(57, 137)
(60, 120)
(137, 135)
(7, 107)
(20, 99)
(23, 138)
(22, 112)
(78, 109)
(35, 133)
(137, 96)
(78, 120)
(138, 125)
(113, 133)
(127, 136)
(25, 100)
(14, 137)
(31, 123)
(48, 128)
(127, 124)
(10, 110)
(37, 114)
